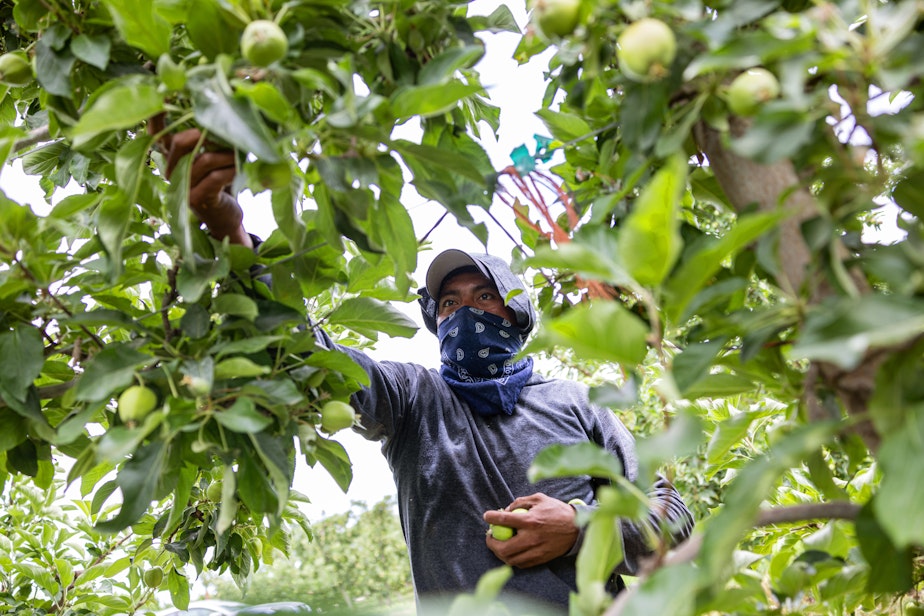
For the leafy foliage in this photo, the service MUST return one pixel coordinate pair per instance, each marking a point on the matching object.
(351, 560)
(719, 262)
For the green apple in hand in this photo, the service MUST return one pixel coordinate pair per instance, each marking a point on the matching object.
(503, 533)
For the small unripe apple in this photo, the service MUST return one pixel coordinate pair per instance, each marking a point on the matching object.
(555, 18)
(153, 577)
(15, 69)
(750, 90)
(136, 402)
(263, 42)
(646, 49)
(503, 533)
(213, 492)
(336, 415)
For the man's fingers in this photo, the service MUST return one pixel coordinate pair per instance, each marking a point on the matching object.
(205, 190)
(210, 162)
(181, 144)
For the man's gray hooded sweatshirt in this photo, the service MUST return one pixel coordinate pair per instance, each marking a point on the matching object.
(451, 464)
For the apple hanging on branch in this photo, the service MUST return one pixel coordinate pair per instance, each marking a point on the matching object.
(646, 49)
(263, 42)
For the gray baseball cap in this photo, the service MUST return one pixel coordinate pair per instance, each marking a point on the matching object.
(493, 268)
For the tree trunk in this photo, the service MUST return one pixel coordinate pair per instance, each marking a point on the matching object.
(772, 187)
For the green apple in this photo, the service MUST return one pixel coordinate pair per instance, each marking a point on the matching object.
(646, 49)
(15, 69)
(263, 42)
(153, 577)
(914, 608)
(136, 402)
(555, 18)
(501, 532)
(750, 90)
(336, 415)
(213, 492)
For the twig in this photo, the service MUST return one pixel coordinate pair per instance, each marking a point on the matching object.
(689, 549)
(35, 136)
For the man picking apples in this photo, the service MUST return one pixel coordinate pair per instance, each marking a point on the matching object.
(459, 440)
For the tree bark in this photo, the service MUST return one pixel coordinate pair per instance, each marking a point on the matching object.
(778, 186)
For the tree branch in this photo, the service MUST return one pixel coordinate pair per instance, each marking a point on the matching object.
(36, 135)
(689, 549)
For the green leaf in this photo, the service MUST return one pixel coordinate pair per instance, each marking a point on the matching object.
(564, 127)
(178, 586)
(369, 316)
(112, 219)
(254, 487)
(720, 385)
(232, 118)
(707, 257)
(901, 457)
(110, 370)
(334, 458)
(13, 429)
(141, 26)
(573, 461)
(842, 330)
(669, 590)
(53, 69)
(21, 360)
(431, 100)
(728, 434)
(693, 363)
(274, 451)
(130, 163)
(339, 362)
(500, 20)
(391, 226)
(891, 568)
(242, 416)
(239, 367)
(442, 67)
(178, 212)
(439, 158)
(492, 582)
(235, 304)
(137, 479)
(246, 346)
(213, 30)
(92, 49)
(603, 330)
(267, 99)
(181, 495)
(649, 239)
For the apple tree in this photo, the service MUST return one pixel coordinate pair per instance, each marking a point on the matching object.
(716, 167)
(725, 168)
(152, 369)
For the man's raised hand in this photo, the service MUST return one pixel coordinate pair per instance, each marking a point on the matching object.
(211, 173)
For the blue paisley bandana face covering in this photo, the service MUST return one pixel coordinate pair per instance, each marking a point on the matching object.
(478, 351)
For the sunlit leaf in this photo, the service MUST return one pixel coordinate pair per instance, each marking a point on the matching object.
(242, 416)
(575, 460)
(603, 330)
(369, 316)
(649, 239)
